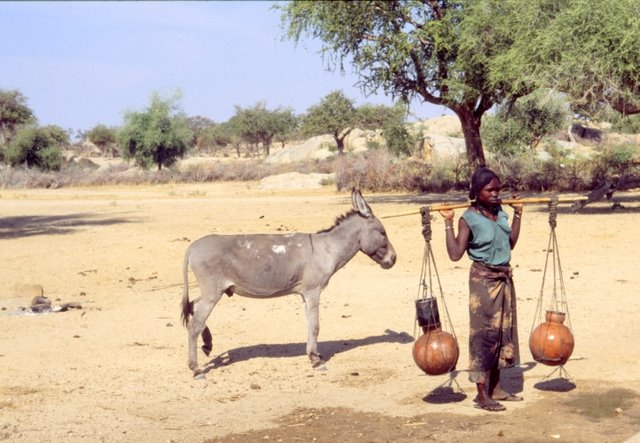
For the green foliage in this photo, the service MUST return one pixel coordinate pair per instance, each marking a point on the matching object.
(471, 55)
(59, 136)
(376, 170)
(627, 125)
(14, 112)
(522, 125)
(207, 135)
(615, 161)
(104, 138)
(433, 51)
(399, 141)
(392, 120)
(258, 125)
(504, 137)
(212, 138)
(335, 115)
(591, 51)
(35, 147)
(158, 135)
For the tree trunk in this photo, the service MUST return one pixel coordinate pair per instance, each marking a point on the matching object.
(340, 138)
(340, 145)
(471, 131)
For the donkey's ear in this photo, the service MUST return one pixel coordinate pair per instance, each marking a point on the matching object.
(359, 204)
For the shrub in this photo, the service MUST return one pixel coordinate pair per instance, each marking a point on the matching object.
(373, 171)
(522, 125)
(614, 161)
(34, 147)
(629, 124)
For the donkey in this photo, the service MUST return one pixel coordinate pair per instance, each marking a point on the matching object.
(273, 265)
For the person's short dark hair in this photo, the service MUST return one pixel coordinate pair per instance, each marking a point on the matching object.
(481, 178)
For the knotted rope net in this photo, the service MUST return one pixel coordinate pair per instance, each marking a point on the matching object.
(428, 271)
(558, 297)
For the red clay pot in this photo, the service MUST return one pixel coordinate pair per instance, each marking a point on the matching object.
(551, 343)
(436, 352)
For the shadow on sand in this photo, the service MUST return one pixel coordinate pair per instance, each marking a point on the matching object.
(562, 383)
(327, 348)
(445, 393)
(32, 225)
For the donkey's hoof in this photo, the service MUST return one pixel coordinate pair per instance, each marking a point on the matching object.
(318, 363)
(320, 366)
(199, 375)
(207, 350)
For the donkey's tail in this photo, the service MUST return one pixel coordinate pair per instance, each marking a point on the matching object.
(187, 306)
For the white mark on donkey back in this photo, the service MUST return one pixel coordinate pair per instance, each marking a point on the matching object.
(272, 265)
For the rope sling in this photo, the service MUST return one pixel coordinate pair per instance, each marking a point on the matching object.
(436, 351)
(551, 340)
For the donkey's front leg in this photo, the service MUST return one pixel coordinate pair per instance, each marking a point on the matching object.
(312, 303)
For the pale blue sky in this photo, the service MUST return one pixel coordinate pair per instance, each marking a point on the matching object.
(85, 63)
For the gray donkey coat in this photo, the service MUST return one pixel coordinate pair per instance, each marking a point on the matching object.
(272, 265)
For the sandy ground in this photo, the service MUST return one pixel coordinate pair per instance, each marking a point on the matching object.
(116, 369)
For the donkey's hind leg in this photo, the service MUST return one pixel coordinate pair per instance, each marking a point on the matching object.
(201, 311)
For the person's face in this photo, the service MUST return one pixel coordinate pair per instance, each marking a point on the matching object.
(490, 194)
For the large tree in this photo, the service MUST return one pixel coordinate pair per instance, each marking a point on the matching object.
(158, 135)
(414, 49)
(336, 114)
(258, 125)
(105, 138)
(39, 147)
(201, 127)
(14, 112)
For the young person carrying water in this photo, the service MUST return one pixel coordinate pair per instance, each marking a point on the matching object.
(484, 233)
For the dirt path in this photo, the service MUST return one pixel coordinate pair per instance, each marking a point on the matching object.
(116, 369)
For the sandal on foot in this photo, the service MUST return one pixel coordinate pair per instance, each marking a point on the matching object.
(509, 397)
(491, 406)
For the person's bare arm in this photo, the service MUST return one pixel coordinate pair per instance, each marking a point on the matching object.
(456, 244)
(515, 224)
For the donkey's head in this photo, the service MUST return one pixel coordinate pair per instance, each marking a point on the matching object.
(373, 238)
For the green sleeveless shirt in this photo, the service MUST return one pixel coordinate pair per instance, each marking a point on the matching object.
(489, 242)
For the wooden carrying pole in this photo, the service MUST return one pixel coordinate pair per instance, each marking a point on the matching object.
(506, 201)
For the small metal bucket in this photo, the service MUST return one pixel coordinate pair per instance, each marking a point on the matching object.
(427, 314)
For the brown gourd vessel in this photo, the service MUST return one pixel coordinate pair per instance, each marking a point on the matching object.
(436, 352)
(551, 343)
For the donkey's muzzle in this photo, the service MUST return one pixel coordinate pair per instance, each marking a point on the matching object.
(388, 260)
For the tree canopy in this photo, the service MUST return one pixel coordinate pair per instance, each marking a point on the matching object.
(158, 135)
(411, 50)
(105, 138)
(258, 125)
(591, 51)
(471, 55)
(514, 129)
(336, 114)
(38, 147)
(14, 112)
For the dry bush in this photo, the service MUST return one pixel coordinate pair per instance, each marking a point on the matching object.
(373, 171)
(21, 177)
